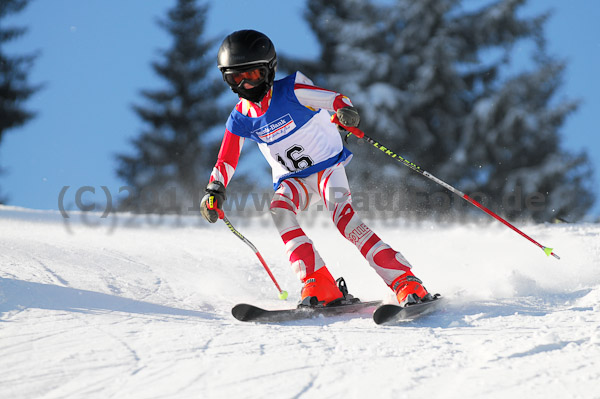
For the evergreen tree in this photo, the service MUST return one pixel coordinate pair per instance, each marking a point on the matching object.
(431, 80)
(175, 154)
(14, 89)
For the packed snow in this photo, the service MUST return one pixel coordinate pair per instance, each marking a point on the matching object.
(139, 307)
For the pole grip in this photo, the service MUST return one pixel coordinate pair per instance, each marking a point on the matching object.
(354, 130)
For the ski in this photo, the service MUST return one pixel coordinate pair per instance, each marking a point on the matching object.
(246, 312)
(393, 313)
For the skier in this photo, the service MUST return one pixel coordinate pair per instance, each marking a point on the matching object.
(289, 120)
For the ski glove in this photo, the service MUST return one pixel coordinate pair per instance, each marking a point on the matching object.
(211, 206)
(347, 120)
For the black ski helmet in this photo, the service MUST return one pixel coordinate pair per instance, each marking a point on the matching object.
(245, 50)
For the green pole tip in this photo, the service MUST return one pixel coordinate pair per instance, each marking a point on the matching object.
(548, 251)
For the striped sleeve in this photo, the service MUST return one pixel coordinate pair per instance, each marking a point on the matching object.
(315, 97)
(227, 161)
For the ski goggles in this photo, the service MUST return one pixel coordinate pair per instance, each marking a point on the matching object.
(252, 76)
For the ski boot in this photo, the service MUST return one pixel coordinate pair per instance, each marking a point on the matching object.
(409, 290)
(320, 289)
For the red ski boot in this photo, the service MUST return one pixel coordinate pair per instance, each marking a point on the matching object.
(320, 288)
(409, 289)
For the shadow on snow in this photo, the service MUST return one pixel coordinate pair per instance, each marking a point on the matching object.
(20, 295)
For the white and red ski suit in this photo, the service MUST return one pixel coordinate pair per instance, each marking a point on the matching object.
(293, 130)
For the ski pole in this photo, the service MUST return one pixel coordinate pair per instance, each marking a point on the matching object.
(282, 294)
(359, 133)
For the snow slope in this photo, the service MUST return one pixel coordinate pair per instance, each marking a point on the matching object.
(139, 307)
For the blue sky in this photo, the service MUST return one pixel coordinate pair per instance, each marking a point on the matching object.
(95, 58)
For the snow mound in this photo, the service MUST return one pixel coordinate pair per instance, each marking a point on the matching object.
(139, 307)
